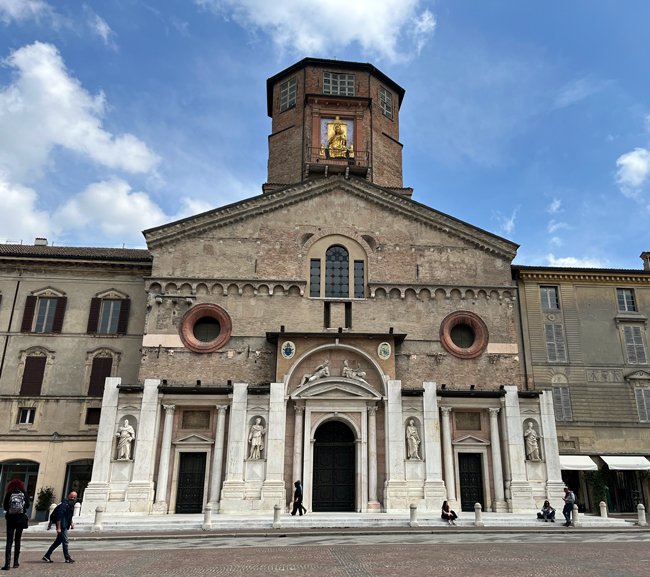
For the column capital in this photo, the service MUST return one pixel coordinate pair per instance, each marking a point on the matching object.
(169, 408)
(299, 409)
(221, 408)
(372, 410)
(493, 411)
(445, 410)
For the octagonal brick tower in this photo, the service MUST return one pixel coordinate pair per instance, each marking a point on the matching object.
(334, 117)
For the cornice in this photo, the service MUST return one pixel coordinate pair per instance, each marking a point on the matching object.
(603, 276)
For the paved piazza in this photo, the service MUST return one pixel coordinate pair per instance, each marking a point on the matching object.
(524, 554)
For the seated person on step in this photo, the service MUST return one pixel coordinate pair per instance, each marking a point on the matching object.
(448, 514)
(548, 513)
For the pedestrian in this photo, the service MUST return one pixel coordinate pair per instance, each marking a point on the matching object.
(15, 505)
(548, 512)
(297, 500)
(62, 516)
(569, 500)
(448, 513)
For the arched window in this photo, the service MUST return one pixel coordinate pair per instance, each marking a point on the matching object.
(337, 269)
(337, 275)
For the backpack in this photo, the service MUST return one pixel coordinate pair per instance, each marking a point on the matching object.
(16, 503)
(54, 516)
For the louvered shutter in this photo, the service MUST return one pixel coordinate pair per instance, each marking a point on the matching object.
(28, 314)
(123, 322)
(93, 315)
(59, 313)
(33, 376)
(100, 371)
(562, 402)
(642, 404)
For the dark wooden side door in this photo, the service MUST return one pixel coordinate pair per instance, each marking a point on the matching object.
(191, 480)
(334, 468)
(470, 471)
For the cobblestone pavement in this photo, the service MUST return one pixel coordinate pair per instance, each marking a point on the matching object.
(485, 554)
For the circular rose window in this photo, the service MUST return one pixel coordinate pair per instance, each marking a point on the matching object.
(464, 334)
(205, 328)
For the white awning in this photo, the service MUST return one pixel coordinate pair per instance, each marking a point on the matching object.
(627, 463)
(578, 463)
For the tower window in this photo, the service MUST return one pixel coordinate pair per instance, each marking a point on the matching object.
(288, 91)
(386, 102)
(338, 84)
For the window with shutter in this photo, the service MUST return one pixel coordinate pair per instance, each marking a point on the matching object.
(549, 298)
(634, 345)
(101, 369)
(643, 403)
(33, 374)
(562, 403)
(625, 299)
(108, 316)
(555, 344)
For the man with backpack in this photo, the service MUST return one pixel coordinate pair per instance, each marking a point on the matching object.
(62, 516)
(569, 500)
(15, 504)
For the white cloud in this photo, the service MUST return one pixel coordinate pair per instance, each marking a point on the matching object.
(555, 206)
(391, 29)
(46, 107)
(20, 220)
(554, 226)
(573, 262)
(19, 10)
(633, 171)
(575, 91)
(109, 209)
(507, 223)
(100, 27)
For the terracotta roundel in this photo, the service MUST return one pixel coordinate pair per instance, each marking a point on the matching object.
(205, 328)
(464, 335)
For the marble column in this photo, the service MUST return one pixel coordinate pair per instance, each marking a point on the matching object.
(554, 483)
(396, 491)
(448, 456)
(499, 504)
(373, 503)
(434, 486)
(160, 505)
(217, 457)
(232, 491)
(273, 490)
(299, 412)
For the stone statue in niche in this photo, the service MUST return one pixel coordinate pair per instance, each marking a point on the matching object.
(531, 439)
(413, 441)
(320, 372)
(125, 438)
(351, 373)
(256, 439)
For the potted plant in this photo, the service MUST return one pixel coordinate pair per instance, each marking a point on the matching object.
(44, 499)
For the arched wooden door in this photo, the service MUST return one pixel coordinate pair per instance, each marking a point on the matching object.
(334, 468)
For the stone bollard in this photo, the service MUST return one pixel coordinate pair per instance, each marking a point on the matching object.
(276, 516)
(603, 509)
(413, 520)
(640, 511)
(575, 517)
(99, 518)
(49, 514)
(207, 517)
(478, 521)
(77, 509)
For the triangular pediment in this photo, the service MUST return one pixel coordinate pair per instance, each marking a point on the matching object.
(470, 440)
(638, 376)
(393, 204)
(193, 440)
(336, 388)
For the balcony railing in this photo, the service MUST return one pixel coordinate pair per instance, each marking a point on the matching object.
(337, 161)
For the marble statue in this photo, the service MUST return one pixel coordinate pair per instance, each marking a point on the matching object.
(256, 439)
(413, 441)
(125, 437)
(321, 371)
(351, 373)
(532, 445)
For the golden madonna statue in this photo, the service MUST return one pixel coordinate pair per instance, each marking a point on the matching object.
(337, 139)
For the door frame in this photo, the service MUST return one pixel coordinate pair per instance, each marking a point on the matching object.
(482, 451)
(173, 487)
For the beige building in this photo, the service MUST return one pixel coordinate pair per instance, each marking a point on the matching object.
(586, 339)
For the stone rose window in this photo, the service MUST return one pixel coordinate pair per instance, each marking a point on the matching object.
(464, 335)
(205, 328)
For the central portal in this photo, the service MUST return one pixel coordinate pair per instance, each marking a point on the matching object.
(334, 468)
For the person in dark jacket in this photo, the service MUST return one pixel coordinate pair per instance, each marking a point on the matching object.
(15, 504)
(297, 500)
(62, 516)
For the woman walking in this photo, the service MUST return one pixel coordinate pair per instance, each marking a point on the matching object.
(15, 504)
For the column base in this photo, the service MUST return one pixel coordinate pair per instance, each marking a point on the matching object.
(95, 495)
(139, 495)
(396, 496)
(374, 506)
(160, 508)
(434, 494)
(500, 506)
(521, 497)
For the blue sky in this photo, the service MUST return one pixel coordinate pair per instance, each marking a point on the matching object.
(528, 119)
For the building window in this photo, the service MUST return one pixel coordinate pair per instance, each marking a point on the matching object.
(550, 300)
(386, 102)
(43, 314)
(288, 94)
(562, 404)
(100, 371)
(464, 334)
(643, 403)
(205, 328)
(634, 345)
(26, 415)
(108, 316)
(33, 374)
(626, 302)
(338, 84)
(314, 277)
(555, 344)
(92, 416)
(337, 274)
(359, 281)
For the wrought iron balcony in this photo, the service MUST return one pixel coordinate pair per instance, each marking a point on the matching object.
(337, 161)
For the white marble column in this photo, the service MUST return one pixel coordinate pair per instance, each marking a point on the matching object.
(448, 456)
(396, 493)
(96, 493)
(373, 503)
(160, 506)
(273, 490)
(140, 491)
(554, 483)
(299, 412)
(499, 504)
(232, 491)
(434, 486)
(217, 457)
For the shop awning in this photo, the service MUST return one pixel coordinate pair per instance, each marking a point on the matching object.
(578, 463)
(626, 463)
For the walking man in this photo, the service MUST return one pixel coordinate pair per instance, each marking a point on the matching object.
(569, 500)
(297, 500)
(62, 516)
